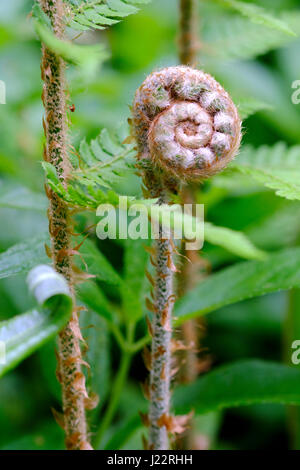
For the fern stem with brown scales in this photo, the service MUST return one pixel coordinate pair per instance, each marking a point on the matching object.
(69, 354)
(186, 128)
(160, 362)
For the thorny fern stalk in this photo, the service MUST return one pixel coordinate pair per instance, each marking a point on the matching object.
(69, 372)
(160, 371)
(187, 129)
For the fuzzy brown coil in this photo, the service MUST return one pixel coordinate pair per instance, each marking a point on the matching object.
(185, 123)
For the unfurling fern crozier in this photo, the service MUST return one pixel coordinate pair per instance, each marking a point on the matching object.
(185, 123)
(186, 128)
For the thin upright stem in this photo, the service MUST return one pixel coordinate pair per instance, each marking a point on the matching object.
(117, 389)
(188, 32)
(69, 354)
(188, 40)
(160, 372)
(190, 275)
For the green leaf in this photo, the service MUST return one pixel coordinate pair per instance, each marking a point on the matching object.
(86, 57)
(286, 221)
(278, 157)
(280, 271)
(102, 165)
(121, 7)
(232, 36)
(96, 263)
(48, 366)
(124, 432)
(86, 155)
(236, 242)
(233, 241)
(133, 287)
(74, 194)
(102, 149)
(275, 167)
(51, 174)
(104, 162)
(23, 256)
(249, 106)
(180, 222)
(41, 16)
(25, 333)
(98, 19)
(91, 14)
(18, 197)
(138, 2)
(92, 296)
(242, 383)
(48, 436)
(258, 15)
(96, 335)
(282, 186)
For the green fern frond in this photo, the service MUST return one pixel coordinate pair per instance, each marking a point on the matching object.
(232, 36)
(97, 168)
(278, 157)
(104, 161)
(88, 57)
(258, 15)
(249, 106)
(75, 194)
(99, 14)
(276, 167)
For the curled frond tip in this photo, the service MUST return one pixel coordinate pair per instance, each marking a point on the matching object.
(185, 123)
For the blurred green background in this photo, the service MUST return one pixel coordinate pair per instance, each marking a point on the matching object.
(142, 43)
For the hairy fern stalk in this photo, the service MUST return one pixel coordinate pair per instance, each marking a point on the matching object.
(69, 354)
(160, 372)
(187, 128)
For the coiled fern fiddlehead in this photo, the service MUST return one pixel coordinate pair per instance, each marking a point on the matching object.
(187, 128)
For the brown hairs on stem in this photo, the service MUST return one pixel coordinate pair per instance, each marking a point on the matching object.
(70, 375)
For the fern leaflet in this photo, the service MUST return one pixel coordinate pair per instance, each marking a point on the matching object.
(97, 168)
(99, 14)
(276, 167)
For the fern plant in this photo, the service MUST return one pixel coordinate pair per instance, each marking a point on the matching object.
(99, 14)
(97, 168)
(50, 28)
(243, 289)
